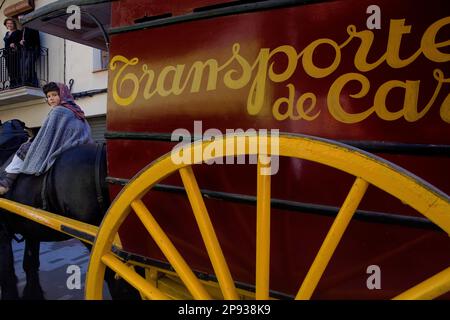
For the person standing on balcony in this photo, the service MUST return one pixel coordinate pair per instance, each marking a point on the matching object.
(12, 55)
(31, 49)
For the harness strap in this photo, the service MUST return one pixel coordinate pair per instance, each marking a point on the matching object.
(6, 163)
(44, 189)
(98, 184)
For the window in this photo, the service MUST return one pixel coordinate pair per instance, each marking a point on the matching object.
(101, 60)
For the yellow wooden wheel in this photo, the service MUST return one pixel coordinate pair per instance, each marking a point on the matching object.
(366, 168)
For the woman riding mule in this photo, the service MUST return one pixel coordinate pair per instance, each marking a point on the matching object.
(59, 154)
(65, 127)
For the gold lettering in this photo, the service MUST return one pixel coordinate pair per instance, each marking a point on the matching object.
(255, 99)
(360, 60)
(176, 79)
(198, 67)
(291, 55)
(245, 74)
(411, 97)
(429, 45)
(280, 116)
(150, 77)
(300, 106)
(334, 94)
(411, 114)
(128, 77)
(445, 109)
(396, 31)
(280, 64)
(308, 63)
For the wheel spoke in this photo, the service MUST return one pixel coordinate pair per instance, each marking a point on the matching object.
(170, 252)
(208, 234)
(332, 239)
(262, 233)
(133, 278)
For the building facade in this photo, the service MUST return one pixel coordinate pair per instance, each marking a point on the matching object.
(81, 67)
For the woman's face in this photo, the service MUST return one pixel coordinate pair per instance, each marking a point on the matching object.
(10, 25)
(53, 98)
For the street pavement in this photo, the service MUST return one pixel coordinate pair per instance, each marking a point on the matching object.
(58, 262)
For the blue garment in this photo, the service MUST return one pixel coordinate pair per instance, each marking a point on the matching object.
(12, 37)
(60, 131)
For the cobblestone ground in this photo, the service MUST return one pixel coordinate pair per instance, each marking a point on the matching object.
(56, 257)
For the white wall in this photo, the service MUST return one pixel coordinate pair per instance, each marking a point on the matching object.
(79, 66)
(55, 48)
(32, 113)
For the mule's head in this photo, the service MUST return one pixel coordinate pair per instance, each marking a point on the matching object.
(12, 135)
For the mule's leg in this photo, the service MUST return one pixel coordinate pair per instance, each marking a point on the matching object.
(119, 289)
(32, 290)
(8, 279)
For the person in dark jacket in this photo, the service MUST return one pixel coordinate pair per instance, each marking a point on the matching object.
(31, 48)
(30, 45)
(12, 54)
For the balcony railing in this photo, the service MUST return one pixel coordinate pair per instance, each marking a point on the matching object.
(23, 67)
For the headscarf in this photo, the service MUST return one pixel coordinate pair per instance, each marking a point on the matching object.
(67, 101)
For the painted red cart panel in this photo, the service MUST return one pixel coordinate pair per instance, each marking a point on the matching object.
(313, 69)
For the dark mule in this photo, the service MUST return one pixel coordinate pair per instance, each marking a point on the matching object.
(12, 135)
(74, 187)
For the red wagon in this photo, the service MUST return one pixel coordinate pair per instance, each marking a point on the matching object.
(345, 103)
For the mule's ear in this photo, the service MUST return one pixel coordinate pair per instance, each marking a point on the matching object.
(17, 124)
